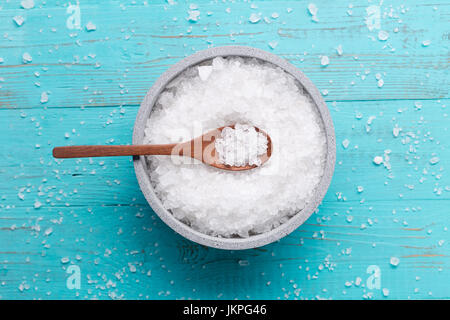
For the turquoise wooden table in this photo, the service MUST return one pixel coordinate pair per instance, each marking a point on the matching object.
(76, 74)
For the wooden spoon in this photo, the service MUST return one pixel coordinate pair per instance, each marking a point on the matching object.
(201, 148)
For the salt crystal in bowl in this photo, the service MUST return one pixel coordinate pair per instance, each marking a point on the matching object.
(289, 223)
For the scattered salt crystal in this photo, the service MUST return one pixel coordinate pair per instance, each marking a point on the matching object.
(37, 204)
(275, 15)
(193, 15)
(385, 292)
(383, 35)
(26, 58)
(244, 263)
(345, 143)
(312, 8)
(1, 60)
(380, 83)
(254, 18)
(27, 4)
(378, 160)
(434, 160)
(48, 231)
(426, 43)
(394, 261)
(324, 60)
(360, 189)
(396, 131)
(273, 44)
(19, 20)
(90, 26)
(339, 50)
(44, 97)
(65, 260)
(241, 146)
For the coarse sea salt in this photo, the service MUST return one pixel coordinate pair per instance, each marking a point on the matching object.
(26, 58)
(254, 18)
(237, 91)
(394, 261)
(27, 4)
(91, 27)
(273, 44)
(193, 15)
(312, 8)
(378, 160)
(19, 20)
(324, 61)
(241, 146)
(345, 143)
(383, 35)
(44, 97)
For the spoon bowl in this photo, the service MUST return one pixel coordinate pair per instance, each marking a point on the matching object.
(203, 149)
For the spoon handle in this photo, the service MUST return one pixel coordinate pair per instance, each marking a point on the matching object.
(107, 151)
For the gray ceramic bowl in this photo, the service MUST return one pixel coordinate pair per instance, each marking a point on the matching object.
(140, 164)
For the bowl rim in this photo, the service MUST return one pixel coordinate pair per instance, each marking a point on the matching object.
(233, 243)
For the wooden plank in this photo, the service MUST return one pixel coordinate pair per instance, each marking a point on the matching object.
(117, 63)
(327, 253)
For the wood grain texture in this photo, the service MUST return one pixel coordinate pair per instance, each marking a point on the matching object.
(91, 213)
(118, 62)
(90, 151)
